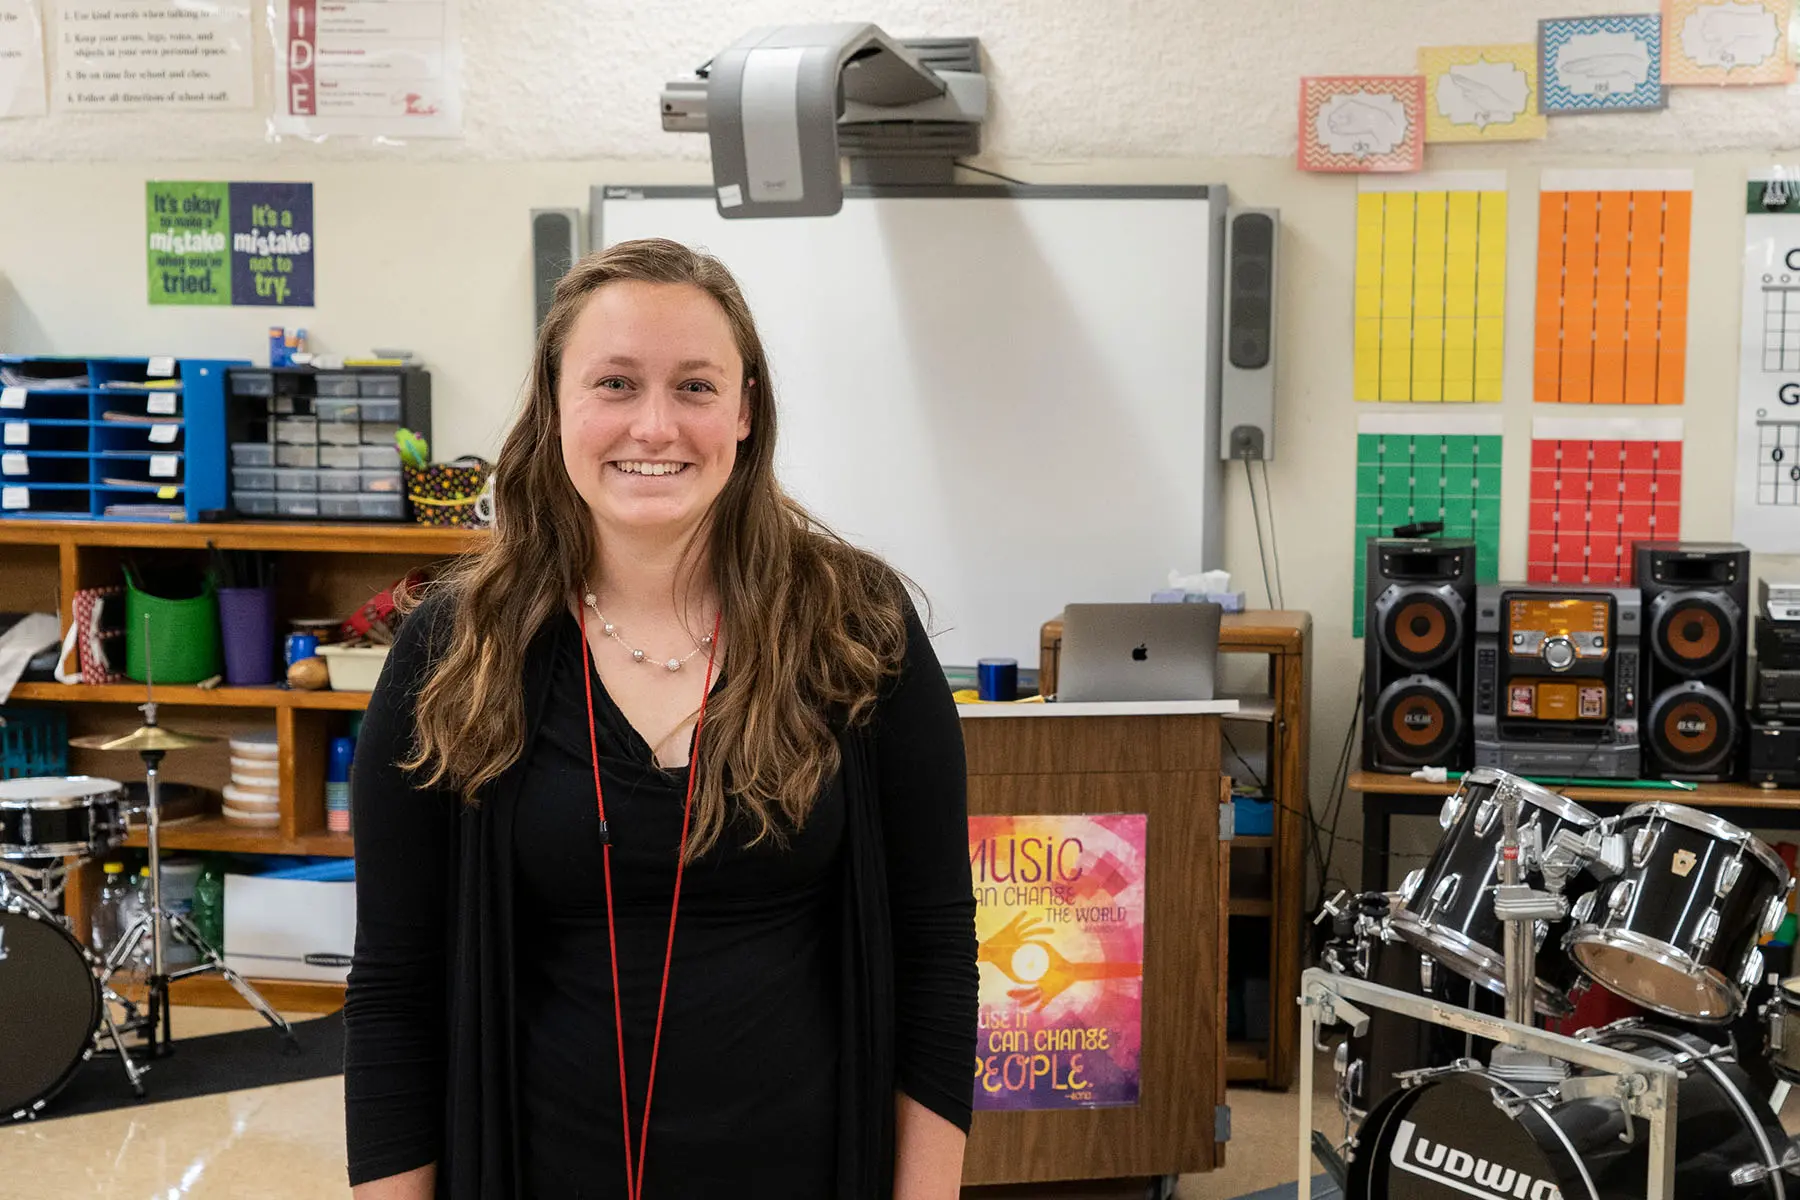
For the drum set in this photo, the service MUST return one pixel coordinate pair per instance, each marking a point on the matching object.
(58, 1003)
(1448, 1086)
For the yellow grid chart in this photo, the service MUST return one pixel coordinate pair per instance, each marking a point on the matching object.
(1430, 295)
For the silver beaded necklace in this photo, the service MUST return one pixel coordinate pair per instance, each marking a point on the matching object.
(637, 655)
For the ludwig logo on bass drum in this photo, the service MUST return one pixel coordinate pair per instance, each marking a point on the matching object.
(1463, 1172)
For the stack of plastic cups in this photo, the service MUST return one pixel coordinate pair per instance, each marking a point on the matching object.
(337, 785)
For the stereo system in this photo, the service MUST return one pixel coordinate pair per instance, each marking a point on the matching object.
(1773, 740)
(1416, 647)
(1556, 679)
(1652, 681)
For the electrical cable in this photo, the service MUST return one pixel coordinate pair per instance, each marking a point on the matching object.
(1256, 518)
(1245, 763)
(1334, 807)
(992, 174)
(1274, 545)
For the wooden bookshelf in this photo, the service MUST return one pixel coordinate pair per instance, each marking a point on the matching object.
(217, 697)
(322, 570)
(1272, 906)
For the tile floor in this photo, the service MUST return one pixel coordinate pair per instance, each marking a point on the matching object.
(288, 1142)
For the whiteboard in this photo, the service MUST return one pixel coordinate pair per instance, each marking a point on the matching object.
(1010, 394)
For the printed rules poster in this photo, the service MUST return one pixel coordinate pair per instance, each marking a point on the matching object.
(212, 243)
(1059, 923)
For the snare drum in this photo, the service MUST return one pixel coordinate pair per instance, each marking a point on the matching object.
(78, 815)
(1676, 931)
(1447, 910)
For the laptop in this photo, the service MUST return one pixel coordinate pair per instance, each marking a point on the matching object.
(1138, 652)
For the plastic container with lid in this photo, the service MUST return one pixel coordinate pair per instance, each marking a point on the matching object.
(256, 773)
(256, 743)
(179, 875)
(250, 799)
(251, 819)
(354, 668)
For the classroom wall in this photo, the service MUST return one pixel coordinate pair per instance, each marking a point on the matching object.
(579, 79)
(426, 245)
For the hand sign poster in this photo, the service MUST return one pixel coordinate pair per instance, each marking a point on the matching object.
(1059, 924)
(1362, 122)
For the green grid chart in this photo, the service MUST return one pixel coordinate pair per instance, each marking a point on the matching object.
(1426, 468)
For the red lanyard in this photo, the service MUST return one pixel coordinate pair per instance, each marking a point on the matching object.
(634, 1179)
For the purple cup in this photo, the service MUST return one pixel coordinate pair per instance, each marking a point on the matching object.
(247, 628)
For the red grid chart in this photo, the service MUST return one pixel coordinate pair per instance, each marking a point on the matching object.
(1598, 487)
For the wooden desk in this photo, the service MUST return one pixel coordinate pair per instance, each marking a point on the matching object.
(1387, 796)
(1032, 759)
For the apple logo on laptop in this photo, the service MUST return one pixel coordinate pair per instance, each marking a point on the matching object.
(1141, 653)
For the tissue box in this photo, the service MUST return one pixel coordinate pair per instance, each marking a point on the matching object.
(1230, 602)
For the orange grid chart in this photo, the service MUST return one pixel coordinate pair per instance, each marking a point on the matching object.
(1612, 287)
(1600, 485)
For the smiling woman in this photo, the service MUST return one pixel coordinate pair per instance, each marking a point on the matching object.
(667, 746)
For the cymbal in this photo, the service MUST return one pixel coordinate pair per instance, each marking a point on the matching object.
(145, 737)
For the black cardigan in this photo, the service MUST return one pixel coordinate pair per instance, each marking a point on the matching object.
(428, 1056)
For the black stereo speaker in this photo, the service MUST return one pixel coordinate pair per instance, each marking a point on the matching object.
(556, 241)
(1696, 635)
(1417, 646)
(1247, 383)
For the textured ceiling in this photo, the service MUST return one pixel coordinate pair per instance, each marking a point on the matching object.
(579, 79)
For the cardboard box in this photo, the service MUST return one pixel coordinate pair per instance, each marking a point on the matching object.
(289, 928)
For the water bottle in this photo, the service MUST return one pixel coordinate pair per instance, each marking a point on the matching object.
(105, 927)
(132, 907)
(209, 904)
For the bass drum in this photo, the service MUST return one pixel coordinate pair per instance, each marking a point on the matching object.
(49, 1007)
(1448, 1139)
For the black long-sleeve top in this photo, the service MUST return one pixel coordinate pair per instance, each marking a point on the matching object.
(431, 1055)
(746, 1076)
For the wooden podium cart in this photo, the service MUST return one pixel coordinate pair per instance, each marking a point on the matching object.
(1161, 759)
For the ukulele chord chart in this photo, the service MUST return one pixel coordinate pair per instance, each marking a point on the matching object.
(1598, 487)
(1431, 287)
(1411, 469)
(1781, 323)
(1612, 291)
(1778, 463)
(1765, 485)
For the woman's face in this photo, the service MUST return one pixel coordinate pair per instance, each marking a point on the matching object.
(651, 405)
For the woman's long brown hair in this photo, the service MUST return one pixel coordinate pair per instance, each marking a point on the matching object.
(813, 625)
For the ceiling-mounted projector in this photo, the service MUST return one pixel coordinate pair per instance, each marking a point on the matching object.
(781, 105)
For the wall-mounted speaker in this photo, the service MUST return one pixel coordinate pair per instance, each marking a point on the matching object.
(1417, 642)
(1247, 391)
(556, 244)
(1696, 629)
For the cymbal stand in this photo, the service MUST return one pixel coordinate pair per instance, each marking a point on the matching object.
(157, 1034)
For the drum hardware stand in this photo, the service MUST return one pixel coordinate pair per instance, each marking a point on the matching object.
(45, 884)
(1521, 907)
(151, 742)
(1643, 1088)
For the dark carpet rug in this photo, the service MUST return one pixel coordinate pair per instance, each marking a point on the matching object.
(221, 1062)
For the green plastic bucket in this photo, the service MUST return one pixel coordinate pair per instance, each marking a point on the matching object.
(183, 635)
